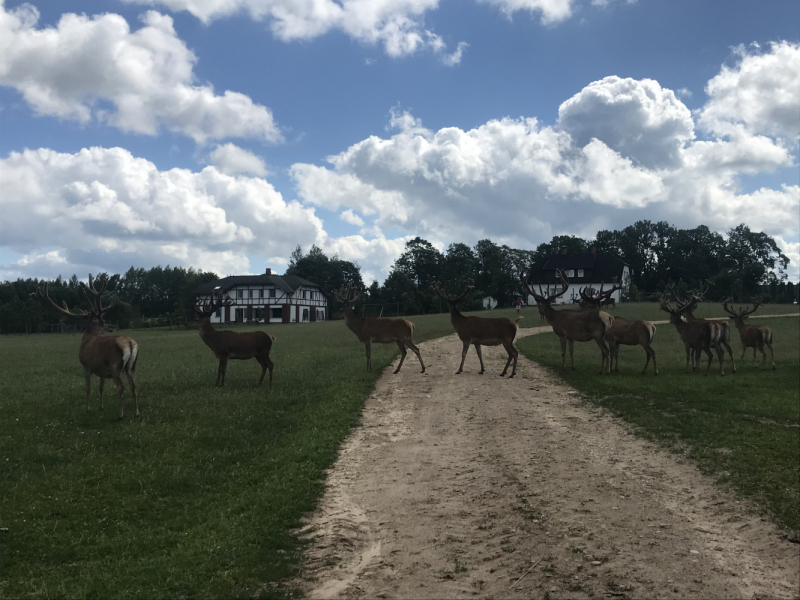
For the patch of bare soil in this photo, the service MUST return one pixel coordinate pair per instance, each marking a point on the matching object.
(473, 485)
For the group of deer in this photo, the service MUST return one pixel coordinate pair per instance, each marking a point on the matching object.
(111, 357)
(705, 335)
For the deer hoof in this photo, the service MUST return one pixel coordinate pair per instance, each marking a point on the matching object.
(395, 372)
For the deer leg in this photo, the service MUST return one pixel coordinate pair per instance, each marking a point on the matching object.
(710, 358)
(744, 351)
(463, 356)
(571, 353)
(772, 354)
(730, 351)
(121, 392)
(415, 350)
(764, 355)
(480, 358)
(512, 353)
(102, 383)
(721, 358)
(402, 356)
(223, 366)
(605, 356)
(132, 381)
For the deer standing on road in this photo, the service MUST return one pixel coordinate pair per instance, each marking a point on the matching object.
(697, 336)
(752, 336)
(480, 331)
(625, 332)
(233, 344)
(573, 325)
(106, 357)
(376, 330)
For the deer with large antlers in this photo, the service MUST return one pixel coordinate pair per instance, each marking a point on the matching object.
(480, 331)
(375, 330)
(752, 336)
(623, 332)
(106, 357)
(697, 336)
(687, 309)
(232, 344)
(573, 325)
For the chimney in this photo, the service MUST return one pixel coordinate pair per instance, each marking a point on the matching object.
(269, 271)
(564, 250)
(593, 250)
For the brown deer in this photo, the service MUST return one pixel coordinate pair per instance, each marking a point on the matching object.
(102, 356)
(233, 344)
(376, 330)
(623, 332)
(697, 336)
(752, 336)
(573, 325)
(687, 309)
(480, 331)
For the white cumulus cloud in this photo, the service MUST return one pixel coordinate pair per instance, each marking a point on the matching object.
(231, 159)
(76, 69)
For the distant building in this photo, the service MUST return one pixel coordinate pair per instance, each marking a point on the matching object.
(266, 298)
(583, 270)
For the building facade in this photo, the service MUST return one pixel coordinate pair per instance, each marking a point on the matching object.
(266, 298)
(583, 271)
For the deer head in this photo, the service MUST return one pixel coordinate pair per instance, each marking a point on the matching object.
(743, 311)
(204, 310)
(545, 298)
(347, 296)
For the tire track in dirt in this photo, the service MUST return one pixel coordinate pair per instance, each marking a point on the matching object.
(456, 485)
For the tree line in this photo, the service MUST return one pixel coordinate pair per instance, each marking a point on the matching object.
(145, 297)
(742, 264)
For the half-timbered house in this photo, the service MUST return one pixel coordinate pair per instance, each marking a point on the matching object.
(592, 269)
(267, 298)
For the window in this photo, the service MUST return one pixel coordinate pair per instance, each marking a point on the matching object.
(218, 314)
(240, 293)
(580, 272)
(570, 273)
(272, 293)
(276, 313)
(305, 315)
(304, 294)
(260, 293)
(251, 293)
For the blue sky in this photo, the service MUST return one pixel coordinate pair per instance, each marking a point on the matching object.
(219, 134)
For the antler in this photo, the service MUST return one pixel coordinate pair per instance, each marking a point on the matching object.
(664, 300)
(343, 295)
(44, 298)
(436, 287)
(743, 312)
(206, 309)
(544, 296)
(96, 298)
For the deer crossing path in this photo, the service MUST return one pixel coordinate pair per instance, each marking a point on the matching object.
(454, 486)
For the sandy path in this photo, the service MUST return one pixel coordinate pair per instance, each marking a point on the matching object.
(456, 485)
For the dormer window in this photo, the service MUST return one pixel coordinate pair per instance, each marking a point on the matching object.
(570, 273)
(580, 272)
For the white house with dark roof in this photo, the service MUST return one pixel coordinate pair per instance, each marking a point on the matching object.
(266, 298)
(583, 270)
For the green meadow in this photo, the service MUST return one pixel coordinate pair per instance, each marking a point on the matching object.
(200, 496)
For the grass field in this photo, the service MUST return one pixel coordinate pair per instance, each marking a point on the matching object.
(197, 498)
(742, 429)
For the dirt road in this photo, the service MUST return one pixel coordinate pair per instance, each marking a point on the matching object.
(473, 485)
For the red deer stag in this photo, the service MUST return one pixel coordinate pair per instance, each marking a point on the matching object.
(752, 336)
(687, 309)
(376, 330)
(573, 325)
(697, 336)
(480, 331)
(232, 344)
(623, 332)
(102, 356)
